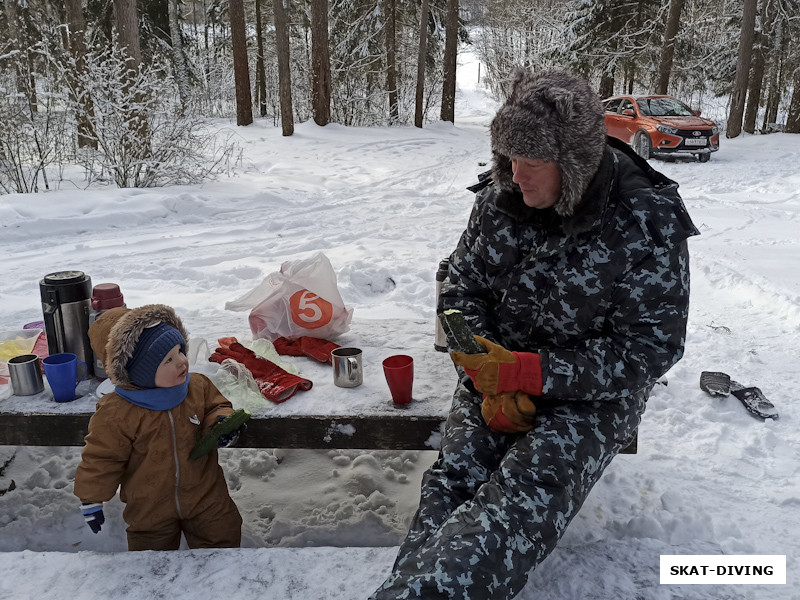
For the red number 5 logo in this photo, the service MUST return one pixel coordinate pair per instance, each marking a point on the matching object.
(309, 310)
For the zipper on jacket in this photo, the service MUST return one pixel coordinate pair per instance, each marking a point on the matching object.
(177, 464)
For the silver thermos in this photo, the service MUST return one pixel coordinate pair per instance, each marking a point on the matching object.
(65, 305)
(440, 339)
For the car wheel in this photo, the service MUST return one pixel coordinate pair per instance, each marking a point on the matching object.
(642, 145)
(705, 157)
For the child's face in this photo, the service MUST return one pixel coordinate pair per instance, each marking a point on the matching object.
(173, 369)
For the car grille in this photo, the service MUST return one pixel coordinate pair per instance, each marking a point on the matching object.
(688, 135)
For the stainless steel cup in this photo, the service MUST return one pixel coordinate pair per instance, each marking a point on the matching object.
(347, 368)
(26, 375)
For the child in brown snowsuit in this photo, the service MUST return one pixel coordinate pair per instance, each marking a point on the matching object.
(140, 437)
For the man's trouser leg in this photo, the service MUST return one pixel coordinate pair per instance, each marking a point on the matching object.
(487, 546)
(465, 463)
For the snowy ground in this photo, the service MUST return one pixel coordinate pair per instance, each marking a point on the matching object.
(386, 205)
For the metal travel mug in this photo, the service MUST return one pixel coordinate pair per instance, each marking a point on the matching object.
(26, 375)
(440, 339)
(347, 368)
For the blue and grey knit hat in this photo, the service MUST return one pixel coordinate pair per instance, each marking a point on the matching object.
(153, 345)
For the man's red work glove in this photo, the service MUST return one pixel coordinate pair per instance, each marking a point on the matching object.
(225, 342)
(508, 412)
(274, 383)
(315, 348)
(500, 370)
(286, 347)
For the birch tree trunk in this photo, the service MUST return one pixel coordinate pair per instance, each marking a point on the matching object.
(284, 72)
(423, 51)
(241, 70)
(261, 75)
(391, 60)
(739, 92)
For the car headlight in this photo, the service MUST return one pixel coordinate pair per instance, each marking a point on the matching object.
(667, 129)
(715, 130)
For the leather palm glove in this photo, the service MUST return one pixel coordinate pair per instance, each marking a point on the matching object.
(274, 383)
(508, 412)
(316, 348)
(500, 370)
(288, 347)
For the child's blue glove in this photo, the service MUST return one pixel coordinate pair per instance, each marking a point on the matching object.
(229, 439)
(93, 513)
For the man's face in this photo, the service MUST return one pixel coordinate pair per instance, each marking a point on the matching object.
(539, 180)
(173, 369)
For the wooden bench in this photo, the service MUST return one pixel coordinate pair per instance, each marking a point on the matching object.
(324, 417)
(399, 432)
(23, 423)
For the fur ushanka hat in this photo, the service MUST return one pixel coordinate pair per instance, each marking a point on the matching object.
(551, 116)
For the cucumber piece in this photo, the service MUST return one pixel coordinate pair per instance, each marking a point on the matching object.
(209, 441)
(458, 333)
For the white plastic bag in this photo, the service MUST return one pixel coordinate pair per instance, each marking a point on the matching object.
(300, 299)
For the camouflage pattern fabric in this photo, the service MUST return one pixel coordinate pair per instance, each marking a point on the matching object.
(493, 505)
(603, 297)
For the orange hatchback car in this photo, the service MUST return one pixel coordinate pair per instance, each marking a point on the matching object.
(660, 125)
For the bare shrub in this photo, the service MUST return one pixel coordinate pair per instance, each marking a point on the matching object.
(31, 140)
(144, 136)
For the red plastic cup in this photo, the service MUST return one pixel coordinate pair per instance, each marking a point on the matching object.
(399, 371)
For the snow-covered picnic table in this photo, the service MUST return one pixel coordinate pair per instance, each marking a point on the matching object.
(326, 416)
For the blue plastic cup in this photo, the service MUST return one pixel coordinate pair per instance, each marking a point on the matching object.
(61, 371)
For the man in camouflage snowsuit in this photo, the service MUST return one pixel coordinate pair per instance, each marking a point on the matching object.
(574, 271)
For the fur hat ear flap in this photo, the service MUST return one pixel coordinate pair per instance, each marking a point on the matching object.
(518, 76)
(563, 101)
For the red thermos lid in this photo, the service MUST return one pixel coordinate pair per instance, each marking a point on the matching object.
(106, 295)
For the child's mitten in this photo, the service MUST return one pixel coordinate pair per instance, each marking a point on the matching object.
(230, 439)
(93, 513)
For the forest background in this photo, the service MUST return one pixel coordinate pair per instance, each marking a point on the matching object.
(128, 91)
